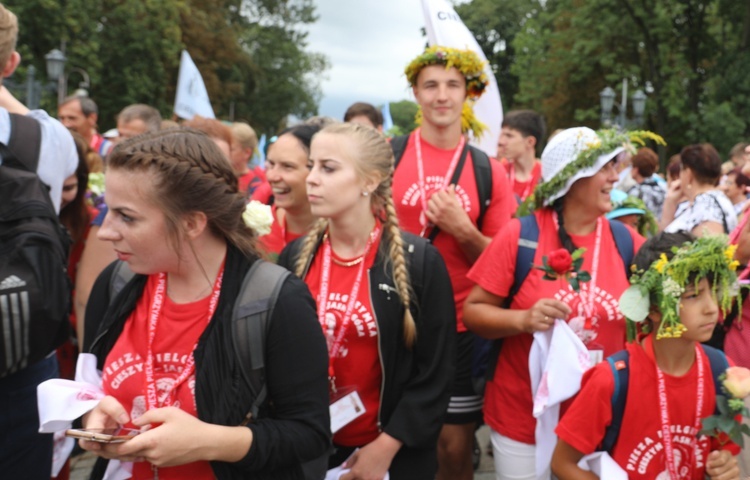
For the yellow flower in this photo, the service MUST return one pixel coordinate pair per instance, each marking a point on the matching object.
(661, 263)
(733, 265)
(729, 252)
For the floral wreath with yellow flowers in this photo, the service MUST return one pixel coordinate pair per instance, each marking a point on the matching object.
(609, 140)
(665, 280)
(471, 67)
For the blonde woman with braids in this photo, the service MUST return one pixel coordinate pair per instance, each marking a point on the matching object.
(164, 342)
(385, 305)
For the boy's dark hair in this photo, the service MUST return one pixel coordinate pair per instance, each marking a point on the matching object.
(703, 160)
(528, 122)
(646, 161)
(652, 249)
(364, 109)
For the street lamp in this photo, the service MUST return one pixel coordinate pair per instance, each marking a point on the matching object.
(56, 61)
(607, 101)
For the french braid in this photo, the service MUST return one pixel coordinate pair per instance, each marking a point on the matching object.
(190, 174)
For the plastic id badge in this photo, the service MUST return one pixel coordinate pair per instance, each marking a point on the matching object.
(344, 410)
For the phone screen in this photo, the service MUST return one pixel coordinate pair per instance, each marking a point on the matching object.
(103, 435)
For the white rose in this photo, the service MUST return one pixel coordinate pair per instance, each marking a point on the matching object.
(258, 216)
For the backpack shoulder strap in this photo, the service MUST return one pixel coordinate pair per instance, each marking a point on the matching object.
(528, 241)
(121, 275)
(25, 142)
(252, 313)
(398, 144)
(483, 177)
(624, 243)
(719, 364)
(620, 366)
(453, 181)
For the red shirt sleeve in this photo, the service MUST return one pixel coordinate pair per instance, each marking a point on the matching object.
(584, 424)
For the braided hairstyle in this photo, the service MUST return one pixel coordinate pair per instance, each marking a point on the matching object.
(374, 156)
(562, 234)
(190, 175)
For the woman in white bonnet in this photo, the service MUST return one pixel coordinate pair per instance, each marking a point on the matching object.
(569, 207)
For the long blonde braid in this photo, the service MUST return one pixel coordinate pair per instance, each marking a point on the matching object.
(312, 238)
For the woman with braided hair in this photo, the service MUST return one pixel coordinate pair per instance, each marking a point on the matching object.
(385, 305)
(164, 343)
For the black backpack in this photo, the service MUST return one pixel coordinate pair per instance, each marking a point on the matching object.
(35, 291)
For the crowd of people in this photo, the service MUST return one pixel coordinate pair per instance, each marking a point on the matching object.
(402, 292)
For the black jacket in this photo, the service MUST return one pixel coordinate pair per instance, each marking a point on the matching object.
(416, 382)
(295, 428)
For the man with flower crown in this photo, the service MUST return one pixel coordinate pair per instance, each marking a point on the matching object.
(451, 193)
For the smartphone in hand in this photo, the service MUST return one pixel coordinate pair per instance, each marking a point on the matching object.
(103, 435)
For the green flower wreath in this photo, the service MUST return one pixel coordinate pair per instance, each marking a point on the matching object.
(609, 140)
(665, 282)
(647, 224)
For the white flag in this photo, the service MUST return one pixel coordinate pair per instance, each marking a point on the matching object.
(191, 98)
(445, 28)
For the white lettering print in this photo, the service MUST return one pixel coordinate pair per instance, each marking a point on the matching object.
(434, 183)
(643, 454)
(606, 308)
(362, 321)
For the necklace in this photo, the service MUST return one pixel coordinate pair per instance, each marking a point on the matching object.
(350, 263)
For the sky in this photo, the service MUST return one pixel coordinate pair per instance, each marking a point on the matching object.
(368, 44)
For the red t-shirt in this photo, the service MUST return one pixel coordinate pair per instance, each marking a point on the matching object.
(263, 193)
(508, 402)
(524, 189)
(275, 241)
(639, 449)
(248, 182)
(358, 362)
(407, 198)
(178, 330)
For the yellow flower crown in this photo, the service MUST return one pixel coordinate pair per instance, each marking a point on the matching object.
(471, 67)
(465, 61)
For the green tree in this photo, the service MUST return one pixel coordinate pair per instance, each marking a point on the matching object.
(682, 51)
(251, 53)
(403, 114)
(495, 26)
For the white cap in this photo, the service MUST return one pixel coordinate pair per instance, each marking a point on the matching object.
(564, 149)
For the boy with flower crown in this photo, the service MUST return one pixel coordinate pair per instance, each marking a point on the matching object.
(678, 289)
(446, 82)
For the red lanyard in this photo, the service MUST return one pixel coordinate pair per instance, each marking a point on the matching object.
(589, 301)
(420, 171)
(666, 435)
(526, 190)
(325, 278)
(156, 308)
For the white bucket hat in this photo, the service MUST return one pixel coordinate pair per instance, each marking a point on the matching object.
(563, 149)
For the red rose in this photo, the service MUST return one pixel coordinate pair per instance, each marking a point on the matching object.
(560, 261)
